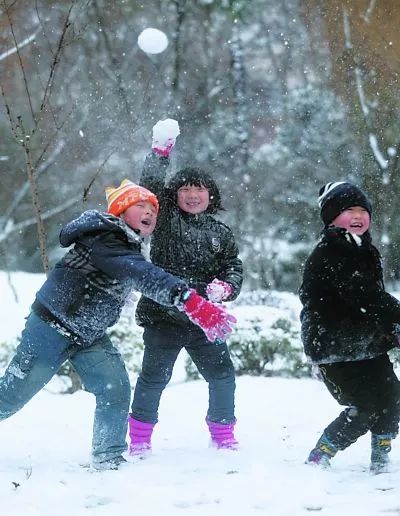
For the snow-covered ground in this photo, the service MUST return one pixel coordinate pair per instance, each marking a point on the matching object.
(278, 422)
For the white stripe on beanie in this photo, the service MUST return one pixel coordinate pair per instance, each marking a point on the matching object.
(327, 189)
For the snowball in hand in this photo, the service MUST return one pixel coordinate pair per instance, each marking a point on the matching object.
(152, 41)
(165, 130)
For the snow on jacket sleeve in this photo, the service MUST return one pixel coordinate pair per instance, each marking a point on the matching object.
(120, 261)
(153, 175)
(232, 267)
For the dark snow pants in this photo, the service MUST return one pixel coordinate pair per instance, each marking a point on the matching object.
(40, 354)
(162, 346)
(371, 391)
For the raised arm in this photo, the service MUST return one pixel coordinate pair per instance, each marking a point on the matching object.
(156, 163)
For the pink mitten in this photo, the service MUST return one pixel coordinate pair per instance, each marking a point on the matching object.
(218, 290)
(165, 133)
(212, 319)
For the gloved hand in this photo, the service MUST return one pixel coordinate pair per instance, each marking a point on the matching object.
(212, 319)
(165, 133)
(218, 290)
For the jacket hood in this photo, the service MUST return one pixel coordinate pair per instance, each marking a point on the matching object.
(93, 221)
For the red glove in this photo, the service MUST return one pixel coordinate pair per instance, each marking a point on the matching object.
(212, 319)
(218, 290)
(165, 149)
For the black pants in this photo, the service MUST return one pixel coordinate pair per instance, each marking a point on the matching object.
(162, 346)
(371, 391)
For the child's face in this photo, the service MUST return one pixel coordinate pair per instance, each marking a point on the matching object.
(355, 219)
(193, 199)
(141, 216)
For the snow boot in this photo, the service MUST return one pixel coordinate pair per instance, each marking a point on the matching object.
(381, 444)
(322, 453)
(112, 464)
(222, 436)
(140, 435)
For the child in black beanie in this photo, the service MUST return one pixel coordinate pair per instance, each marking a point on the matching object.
(348, 322)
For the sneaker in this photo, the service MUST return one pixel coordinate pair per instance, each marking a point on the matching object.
(322, 453)
(319, 458)
(378, 467)
(381, 445)
(110, 464)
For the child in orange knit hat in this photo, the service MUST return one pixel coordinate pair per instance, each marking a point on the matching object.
(82, 297)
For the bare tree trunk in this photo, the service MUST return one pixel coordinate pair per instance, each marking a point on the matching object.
(25, 131)
(180, 17)
(383, 180)
(41, 231)
(241, 151)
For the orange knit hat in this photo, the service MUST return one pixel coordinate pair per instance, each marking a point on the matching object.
(119, 199)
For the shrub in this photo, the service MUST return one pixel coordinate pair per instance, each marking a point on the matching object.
(127, 337)
(266, 350)
(265, 342)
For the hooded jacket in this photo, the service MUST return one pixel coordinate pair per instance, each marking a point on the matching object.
(88, 287)
(347, 314)
(196, 248)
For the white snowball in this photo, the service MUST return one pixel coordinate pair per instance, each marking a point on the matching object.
(152, 41)
(165, 129)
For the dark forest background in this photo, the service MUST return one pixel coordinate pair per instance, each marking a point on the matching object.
(273, 98)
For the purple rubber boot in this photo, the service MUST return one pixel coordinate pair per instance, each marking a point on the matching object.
(222, 436)
(140, 436)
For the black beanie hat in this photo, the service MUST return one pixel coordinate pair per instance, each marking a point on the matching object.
(337, 197)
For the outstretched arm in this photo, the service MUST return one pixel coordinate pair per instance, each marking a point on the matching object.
(119, 262)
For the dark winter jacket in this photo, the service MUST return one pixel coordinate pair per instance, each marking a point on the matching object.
(196, 248)
(347, 314)
(88, 288)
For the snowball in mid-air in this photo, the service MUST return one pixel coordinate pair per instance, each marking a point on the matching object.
(152, 41)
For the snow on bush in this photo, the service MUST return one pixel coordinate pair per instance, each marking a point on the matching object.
(266, 339)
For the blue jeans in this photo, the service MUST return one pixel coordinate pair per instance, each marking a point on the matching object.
(162, 346)
(40, 354)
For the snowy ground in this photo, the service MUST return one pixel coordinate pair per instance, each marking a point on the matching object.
(278, 421)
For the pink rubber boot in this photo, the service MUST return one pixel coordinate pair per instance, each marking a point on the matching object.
(222, 436)
(140, 436)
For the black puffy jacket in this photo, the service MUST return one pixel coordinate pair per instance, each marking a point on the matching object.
(196, 248)
(347, 314)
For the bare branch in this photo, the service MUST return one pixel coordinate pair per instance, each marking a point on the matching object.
(21, 64)
(91, 182)
(23, 43)
(50, 80)
(13, 124)
(39, 169)
(13, 228)
(368, 12)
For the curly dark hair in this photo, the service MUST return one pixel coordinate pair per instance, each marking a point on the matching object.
(197, 177)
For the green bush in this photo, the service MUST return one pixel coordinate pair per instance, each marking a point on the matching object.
(127, 337)
(259, 348)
